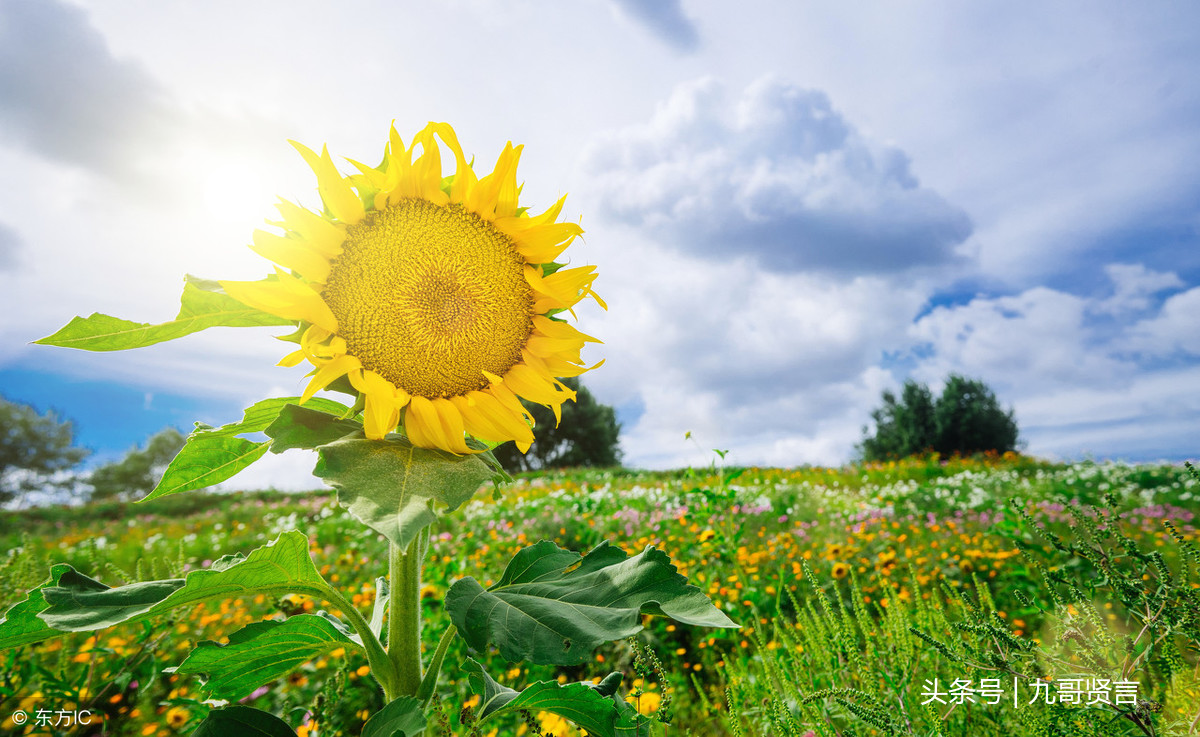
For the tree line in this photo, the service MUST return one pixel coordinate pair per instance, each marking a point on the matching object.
(37, 450)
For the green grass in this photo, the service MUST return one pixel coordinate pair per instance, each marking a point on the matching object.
(854, 586)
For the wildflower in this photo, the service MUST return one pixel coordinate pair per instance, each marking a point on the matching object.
(434, 298)
(177, 717)
(840, 570)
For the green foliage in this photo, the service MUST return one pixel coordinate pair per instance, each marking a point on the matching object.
(542, 612)
(265, 651)
(33, 448)
(596, 708)
(242, 720)
(211, 455)
(139, 471)
(587, 436)
(1103, 609)
(403, 717)
(966, 419)
(73, 602)
(203, 305)
(391, 485)
(886, 626)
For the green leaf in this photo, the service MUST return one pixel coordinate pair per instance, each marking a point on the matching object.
(78, 603)
(259, 416)
(542, 613)
(307, 428)
(601, 712)
(206, 459)
(263, 652)
(390, 485)
(212, 455)
(242, 721)
(401, 718)
(21, 624)
(203, 305)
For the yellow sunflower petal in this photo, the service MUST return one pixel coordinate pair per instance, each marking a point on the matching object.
(517, 224)
(321, 235)
(529, 384)
(513, 424)
(464, 176)
(475, 422)
(292, 359)
(383, 402)
(327, 373)
(423, 426)
(485, 199)
(293, 254)
(427, 170)
(452, 425)
(335, 191)
(286, 297)
(544, 244)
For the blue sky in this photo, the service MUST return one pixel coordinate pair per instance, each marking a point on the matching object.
(793, 207)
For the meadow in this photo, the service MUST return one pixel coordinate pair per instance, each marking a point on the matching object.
(985, 596)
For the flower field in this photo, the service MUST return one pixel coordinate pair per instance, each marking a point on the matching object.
(995, 596)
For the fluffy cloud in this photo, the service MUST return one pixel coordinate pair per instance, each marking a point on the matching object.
(665, 19)
(1174, 332)
(778, 367)
(64, 95)
(776, 174)
(1134, 288)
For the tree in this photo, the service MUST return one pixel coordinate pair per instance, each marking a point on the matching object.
(33, 449)
(965, 419)
(138, 473)
(587, 435)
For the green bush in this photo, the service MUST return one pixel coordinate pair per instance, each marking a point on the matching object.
(137, 473)
(966, 419)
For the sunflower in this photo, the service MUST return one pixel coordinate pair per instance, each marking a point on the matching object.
(438, 299)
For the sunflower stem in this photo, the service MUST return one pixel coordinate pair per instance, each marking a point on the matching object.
(404, 619)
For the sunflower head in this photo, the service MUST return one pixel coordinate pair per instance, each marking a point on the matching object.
(438, 298)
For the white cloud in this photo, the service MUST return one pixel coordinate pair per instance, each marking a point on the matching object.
(64, 95)
(761, 363)
(288, 471)
(776, 174)
(1038, 336)
(1174, 331)
(1134, 288)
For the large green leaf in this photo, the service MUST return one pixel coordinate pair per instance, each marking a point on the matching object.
(307, 427)
(260, 415)
(204, 460)
(21, 624)
(542, 613)
(214, 454)
(263, 652)
(390, 485)
(242, 721)
(203, 305)
(401, 718)
(79, 603)
(598, 709)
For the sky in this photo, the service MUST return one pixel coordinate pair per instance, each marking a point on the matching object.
(793, 206)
